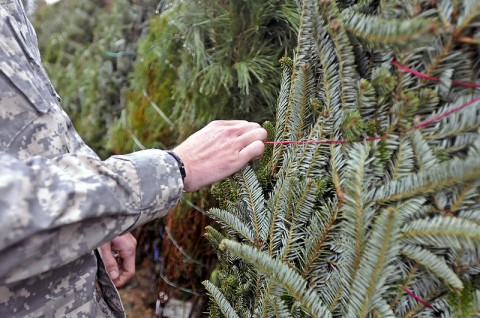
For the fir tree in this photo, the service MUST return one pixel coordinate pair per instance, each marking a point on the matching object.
(381, 219)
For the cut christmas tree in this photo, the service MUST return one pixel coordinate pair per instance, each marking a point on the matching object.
(366, 202)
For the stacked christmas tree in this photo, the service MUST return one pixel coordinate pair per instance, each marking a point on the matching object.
(367, 202)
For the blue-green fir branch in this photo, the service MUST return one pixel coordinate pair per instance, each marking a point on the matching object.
(433, 263)
(380, 250)
(284, 275)
(330, 90)
(377, 30)
(277, 204)
(232, 222)
(456, 171)
(252, 195)
(442, 232)
(344, 52)
(220, 300)
(356, 211)
(282, 114)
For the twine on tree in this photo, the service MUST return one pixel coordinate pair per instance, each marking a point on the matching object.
(418, 126)
(420, 300)
(431, 78)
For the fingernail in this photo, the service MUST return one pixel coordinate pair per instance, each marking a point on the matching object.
(113, 274)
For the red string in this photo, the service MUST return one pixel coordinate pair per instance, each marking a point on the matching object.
(319, 142)
(445, 114)
(420, 125)
(431, 78)
(420, 300)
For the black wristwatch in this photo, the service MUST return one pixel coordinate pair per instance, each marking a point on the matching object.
(180, 164)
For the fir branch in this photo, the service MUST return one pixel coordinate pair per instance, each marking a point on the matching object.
(442, 232)
(214, 237)
(355, 212)
(304, 202)
(252, 194)
(331, 85)
(464, 197)
(277, 204)
(302, 89)
(319, 230)
(284, 275)
(417, 307)
(377, 30)
(409, 208)
(424, 156)
(441, 50)
(307, 20)
(402, 162)
(380, 250)
(280, 309)
(433, 263)
(232, 222)
(314, 157)
(471, 215)
(366, 99)
(407, 277)
(382, 309)
(220, 299)
(442, 176)
(458, 122)
(280, 230)
(470, 13)
(344, 53)
(282, 115)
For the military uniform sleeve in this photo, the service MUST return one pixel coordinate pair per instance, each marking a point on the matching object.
(53, 210)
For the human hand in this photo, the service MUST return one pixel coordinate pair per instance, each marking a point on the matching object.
(218, 150)
(119, 258)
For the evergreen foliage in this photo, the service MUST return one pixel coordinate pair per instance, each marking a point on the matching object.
(205, 60)
(388, 227)
(88, 49)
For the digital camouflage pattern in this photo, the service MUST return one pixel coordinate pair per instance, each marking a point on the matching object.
(58, 200)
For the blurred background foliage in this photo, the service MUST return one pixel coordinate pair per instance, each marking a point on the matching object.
(142, 73)
(80, 41)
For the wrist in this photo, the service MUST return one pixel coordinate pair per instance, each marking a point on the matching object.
(188, 163)
(180, 164)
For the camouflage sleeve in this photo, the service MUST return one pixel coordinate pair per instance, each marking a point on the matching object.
(54, 210)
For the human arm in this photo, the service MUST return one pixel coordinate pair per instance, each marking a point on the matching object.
(221, 144)
(226, 144)
(55, 210)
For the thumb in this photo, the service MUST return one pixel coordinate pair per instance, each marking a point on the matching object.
(109, 261)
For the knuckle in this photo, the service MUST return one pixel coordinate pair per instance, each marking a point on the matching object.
(229, 131)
